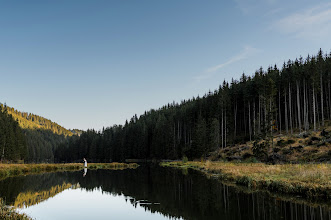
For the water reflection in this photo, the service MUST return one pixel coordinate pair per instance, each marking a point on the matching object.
(26, 199)
(85, 172)
(155, 190)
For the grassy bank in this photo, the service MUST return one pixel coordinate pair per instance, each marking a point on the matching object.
(305, 147)
(7, 170)
(10, 213)
(306, 180)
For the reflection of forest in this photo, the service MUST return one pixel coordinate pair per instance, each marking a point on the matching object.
(12, 187)
(29, 198)
(167, 191)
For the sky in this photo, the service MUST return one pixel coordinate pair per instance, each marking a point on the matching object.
(93, 64)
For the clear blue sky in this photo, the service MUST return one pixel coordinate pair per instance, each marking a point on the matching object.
(89, 64)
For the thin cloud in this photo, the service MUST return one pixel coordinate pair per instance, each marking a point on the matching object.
(251, 6)
(246, 6)
(311, 23)
(244, 54)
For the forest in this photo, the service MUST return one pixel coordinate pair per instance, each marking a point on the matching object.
(12, 140)
(32, 121)
(293, 98)
(41, 136)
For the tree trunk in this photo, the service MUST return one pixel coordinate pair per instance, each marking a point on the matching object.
(298, 102)
(174, 150)
(314, 111)
(304, 106)
(178, 130)
(271, 124)
(259, 125)
(290, 106)
(280, 113)
(317, 111)
(322, 104)
(225, 128)
(254, 119)
(3, 149)
(185, 134)
(330, 96)
(327, 104)
(265, 116)
(249, 121)
(235, 120)
(245, 122)
(286, 118)
(222, 128)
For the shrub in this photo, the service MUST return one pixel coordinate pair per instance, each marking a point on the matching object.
(290, 141)
(251, 160)
(260, 150)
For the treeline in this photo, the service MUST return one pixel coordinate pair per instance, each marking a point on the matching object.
(41, 145)
(32, 121)
(296, 97)
(12, 141)
(41, 136)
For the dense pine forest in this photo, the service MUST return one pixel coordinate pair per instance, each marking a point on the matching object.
(32, 121)
(293, 98)
(12, 140)
(41, 135)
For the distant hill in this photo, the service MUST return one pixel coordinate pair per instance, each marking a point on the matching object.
(42, 136)
(32, 121)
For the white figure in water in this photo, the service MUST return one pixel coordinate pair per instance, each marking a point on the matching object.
(85, 163)
(85, 167)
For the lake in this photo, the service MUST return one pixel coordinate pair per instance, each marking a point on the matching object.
(149, 192)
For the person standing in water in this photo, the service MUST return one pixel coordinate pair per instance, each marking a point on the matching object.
(85, 167)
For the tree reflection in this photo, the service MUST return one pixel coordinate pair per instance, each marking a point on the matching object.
(166, 191)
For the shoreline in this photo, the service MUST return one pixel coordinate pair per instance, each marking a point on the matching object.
(312, 181)
(10, 213)
(9, 170)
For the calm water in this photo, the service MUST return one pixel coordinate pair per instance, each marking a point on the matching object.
(148, 192)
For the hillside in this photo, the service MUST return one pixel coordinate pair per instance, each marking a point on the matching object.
(263, 106)
(32, 121)
(42, 136)
(12, 141)
(305, 147)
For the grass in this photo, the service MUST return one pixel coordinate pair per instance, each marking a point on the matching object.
(311, 146)
(10, 213)
(307, 180)
(7, 170)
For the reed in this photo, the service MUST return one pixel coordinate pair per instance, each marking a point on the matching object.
(10, 213)
(307, 180)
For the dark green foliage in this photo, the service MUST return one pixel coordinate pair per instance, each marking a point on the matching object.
(199, 142)
(255, 107)
(260, 150)
(41, 136)
(294, 98)
(41, 145)
(290, 141)
(281, 143)
(12, 141)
